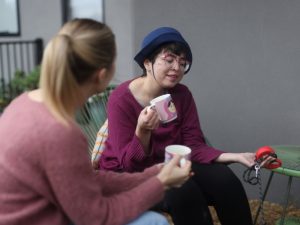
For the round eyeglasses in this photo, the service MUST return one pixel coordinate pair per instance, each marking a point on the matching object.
(172, 60)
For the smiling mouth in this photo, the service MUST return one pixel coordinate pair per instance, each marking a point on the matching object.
(172, 77)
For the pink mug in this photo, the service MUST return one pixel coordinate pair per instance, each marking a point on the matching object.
(165, 108)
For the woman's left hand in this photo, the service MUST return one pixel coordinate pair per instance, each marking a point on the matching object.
(246, 158)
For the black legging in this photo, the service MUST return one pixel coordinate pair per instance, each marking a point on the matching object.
(212, 184)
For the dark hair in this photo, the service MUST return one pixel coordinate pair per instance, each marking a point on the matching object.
(174, 47)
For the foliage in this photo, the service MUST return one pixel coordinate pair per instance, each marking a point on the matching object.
(20, 83)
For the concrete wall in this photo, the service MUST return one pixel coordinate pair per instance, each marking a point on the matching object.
(119, 16)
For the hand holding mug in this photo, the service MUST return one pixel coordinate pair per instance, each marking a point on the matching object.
(171, 175)
(148, 120)
(173, 150)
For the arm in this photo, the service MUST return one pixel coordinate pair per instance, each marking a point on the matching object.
(245, 158)
(123, 114)
(147, 121)
(192, 134)
(202, 152)
(118, 182)
(83, 195)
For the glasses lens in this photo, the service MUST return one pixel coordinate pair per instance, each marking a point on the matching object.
(172, 60)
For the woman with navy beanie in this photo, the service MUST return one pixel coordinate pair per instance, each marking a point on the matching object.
(137, 139)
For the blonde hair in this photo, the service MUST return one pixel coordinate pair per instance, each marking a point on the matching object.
(71, 58)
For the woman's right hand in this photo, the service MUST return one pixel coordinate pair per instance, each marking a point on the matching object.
(148, 119)
(171, 175)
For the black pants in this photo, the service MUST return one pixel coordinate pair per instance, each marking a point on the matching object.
(212, 184)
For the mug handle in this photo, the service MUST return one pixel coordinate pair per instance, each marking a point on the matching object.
(152, 106)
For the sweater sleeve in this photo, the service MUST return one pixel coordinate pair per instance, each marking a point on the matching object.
(118, 182)
(125, 145)
(192, 134)
(84, 196)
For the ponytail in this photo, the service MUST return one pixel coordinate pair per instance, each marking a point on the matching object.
(70, 59)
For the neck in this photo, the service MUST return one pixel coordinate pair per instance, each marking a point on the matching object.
(86, 92)
(151, 88)
(36, 95)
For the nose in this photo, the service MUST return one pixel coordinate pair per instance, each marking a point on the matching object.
(176, 65)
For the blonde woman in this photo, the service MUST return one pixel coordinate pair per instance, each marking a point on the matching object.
(46, 175)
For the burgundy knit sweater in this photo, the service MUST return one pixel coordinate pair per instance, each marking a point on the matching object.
(46, 176)
(124, 151)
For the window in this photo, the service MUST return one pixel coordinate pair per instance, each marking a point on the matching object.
(9, 18)
(92, 9)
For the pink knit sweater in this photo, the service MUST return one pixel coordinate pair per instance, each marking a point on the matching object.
(46, 176)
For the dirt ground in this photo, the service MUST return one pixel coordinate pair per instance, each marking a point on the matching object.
(272, 212)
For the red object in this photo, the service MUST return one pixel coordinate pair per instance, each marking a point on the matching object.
(264, 152)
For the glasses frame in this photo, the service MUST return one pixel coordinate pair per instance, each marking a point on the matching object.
(175, 58)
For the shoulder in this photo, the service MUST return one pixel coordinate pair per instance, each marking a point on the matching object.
(121, 96)
(121, 89)
(19, 102)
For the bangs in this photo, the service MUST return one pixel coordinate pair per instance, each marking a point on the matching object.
(175, 48)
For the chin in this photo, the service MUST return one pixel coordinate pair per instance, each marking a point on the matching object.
(169, 85)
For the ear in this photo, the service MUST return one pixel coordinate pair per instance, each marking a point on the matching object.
(147, 64)
(100, 75)
(100, 79)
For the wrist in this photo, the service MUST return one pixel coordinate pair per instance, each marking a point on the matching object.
(228, 157)
(140, 132)
(163, 180)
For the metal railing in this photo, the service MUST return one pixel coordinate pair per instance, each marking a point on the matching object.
(18, 56)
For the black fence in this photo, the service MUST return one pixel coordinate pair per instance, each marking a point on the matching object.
(17, 57)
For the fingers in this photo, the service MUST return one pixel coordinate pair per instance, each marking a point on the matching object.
(174, 161)
(174, 176)
(160, 165)
(187, 168)
(246, 158)
(149, 118)
(183, 163)
(267, 160)
(150, 108)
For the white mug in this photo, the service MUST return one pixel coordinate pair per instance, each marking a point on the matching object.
(182, 150)
(165, 108)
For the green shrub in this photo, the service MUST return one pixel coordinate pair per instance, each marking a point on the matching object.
(21, 82)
